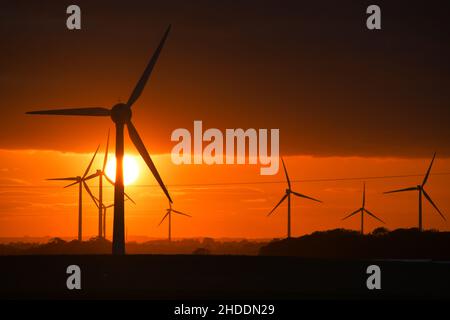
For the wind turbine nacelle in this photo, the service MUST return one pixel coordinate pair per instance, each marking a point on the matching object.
(121, 113)
(288, 191)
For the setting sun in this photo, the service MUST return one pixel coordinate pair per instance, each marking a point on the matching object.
(130, 169)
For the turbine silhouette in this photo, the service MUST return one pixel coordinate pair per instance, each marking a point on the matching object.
(363, 210)
(420, 189)
(81, 181)
(101, 173)
(169, 214)
(121, 116)
(105, 208)
(287, 195)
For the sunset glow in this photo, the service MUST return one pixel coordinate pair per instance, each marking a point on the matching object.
(381, 120)
(130, 169)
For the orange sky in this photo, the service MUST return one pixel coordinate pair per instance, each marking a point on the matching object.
(362, 103)
(310, 69)
(34, 207)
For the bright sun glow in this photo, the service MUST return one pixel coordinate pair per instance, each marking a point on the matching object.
(130, 169)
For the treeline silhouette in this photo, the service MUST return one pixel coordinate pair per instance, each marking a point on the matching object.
(101, 246)
(380, 244)
(337, 244)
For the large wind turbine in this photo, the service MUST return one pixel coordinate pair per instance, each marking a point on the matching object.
(363, 210)
(169, 215)
(121, 116)
(80, 180)
(420, 189)
(289, 191)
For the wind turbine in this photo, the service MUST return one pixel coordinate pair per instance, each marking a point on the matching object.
(104, 209)
(104, 218)
(420, 189)
(169, 214)
(287, 195)
(121, 116)
(80, 180)
(363, 210)
(101, 173)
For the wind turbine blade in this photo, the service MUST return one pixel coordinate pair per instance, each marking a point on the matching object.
(105, 160)
(285, 172)
(303, 196)
(90, 193)
(92, 176)
(401, 190)
(282, 199)
(72, 184)
(428, 171)
(129, 198)
(165, 216)
(134, 136)
(148, 70)
(63, 179)
(125, 194)
(109, 180)
(373, 216)
(352, 214)
(184, 214)
(432, 203)
(94, 111)
(90, 163)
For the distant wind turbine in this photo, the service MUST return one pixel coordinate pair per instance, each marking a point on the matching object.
(420, 189)
(169, 215)
(121, 116)
(363, 210)
(105, 208)
(81, 181)
(289, 191)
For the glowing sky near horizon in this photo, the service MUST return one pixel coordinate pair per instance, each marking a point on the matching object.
(35, 207)
(348, 103)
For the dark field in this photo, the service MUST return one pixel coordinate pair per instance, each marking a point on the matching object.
(217, 277)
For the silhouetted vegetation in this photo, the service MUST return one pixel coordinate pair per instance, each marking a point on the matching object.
(338, 243)
(201, 251)
(101, 246)
(380, 244)
(58, 246)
